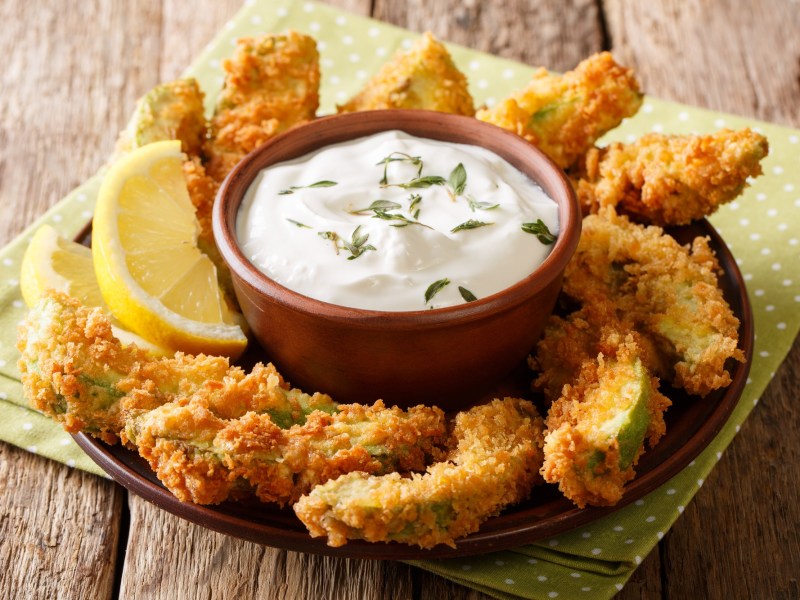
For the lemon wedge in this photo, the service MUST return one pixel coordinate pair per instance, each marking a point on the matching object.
(144, 245)
(51, 262)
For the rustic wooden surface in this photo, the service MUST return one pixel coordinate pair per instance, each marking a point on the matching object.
(71, 75)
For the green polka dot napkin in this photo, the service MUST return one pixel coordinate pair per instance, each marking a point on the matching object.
(594, 561)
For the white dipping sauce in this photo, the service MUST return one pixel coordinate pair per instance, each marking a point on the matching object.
(280, 233)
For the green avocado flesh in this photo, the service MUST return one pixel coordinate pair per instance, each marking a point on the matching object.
(620, 405)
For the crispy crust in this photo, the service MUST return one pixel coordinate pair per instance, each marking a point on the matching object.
(564, 115)
(424, 77)
(271, 85)
(571, 442)
(670, 179)
(668, 292)
(494, 461)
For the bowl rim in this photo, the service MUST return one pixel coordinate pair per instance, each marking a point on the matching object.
(342, 127)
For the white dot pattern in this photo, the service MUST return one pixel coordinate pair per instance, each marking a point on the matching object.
(766, 242)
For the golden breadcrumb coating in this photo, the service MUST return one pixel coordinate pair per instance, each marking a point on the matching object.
(204, 458)
(495, 457)
(570, 341)
(210, 431)
(271, 85)
(597, 428)
(564, 115)
(75, 371)
(170, 111)
(670, 179)
(669, 292)
(424, 77)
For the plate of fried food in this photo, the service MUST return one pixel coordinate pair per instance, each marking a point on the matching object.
(639, 367)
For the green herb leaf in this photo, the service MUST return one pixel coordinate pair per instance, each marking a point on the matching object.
(403, 157)
(298, 223)
(540, 230)
(466, 294)
(475, 205)
(316, 184)
(458, 180)
(435, 288)
(403, 221)
(471, 224)
(413, 208)
(419, 182)
(377, 205)
(358, 244)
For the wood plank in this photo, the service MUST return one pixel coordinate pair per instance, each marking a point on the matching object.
(59, 527)
(553, 34)
(171, 558)
(725, 55)
(739, 537)
(64, 97)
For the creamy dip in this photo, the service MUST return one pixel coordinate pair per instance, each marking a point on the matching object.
(394, 222)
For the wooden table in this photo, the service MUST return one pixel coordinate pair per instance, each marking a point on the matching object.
(71, 74)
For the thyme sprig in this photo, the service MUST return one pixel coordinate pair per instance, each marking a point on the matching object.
(298, 224)
(476, 205)
(413, 207)
(356, 246)
(419, 182)
(402, 221)
(377, 205)
(471, 224)
(316, 184)
(401, 157)
(540, 230)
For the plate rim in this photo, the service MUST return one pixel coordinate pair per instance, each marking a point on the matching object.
(106, 456)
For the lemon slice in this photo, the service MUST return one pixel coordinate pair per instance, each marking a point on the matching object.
(151, 274)
(52, 262)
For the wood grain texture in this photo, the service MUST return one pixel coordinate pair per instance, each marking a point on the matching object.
(66, 94)
(740, 537)
(546, 33)
(162, 545)
(71, 92)
(739, 57)
(59, 529)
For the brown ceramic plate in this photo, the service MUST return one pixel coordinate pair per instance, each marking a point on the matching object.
(691, 424)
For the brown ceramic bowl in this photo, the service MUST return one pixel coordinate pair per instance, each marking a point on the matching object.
(449, 356)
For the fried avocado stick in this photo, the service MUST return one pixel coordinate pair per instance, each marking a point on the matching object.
(170, 111)
(424, 77)
(204, 458)
(271, 85)
(564, 115)
(596, 429)
(208, 430)
(75, 371)
(494, 462)
(569, 342)
(669, 292)
(670, 180)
